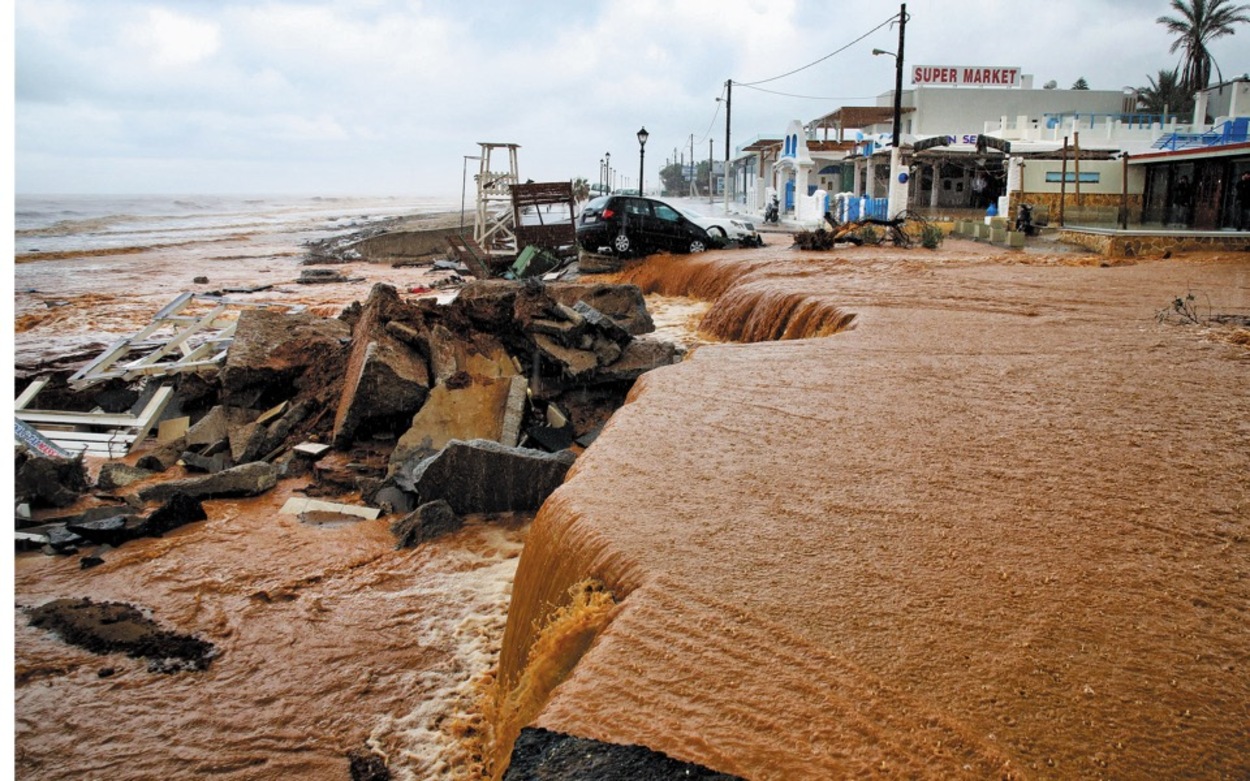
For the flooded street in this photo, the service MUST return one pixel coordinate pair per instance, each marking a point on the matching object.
(933, 514)
(996, 527)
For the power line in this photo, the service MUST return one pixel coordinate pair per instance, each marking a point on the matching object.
(807, 97)
(822, 59)
(707, 133)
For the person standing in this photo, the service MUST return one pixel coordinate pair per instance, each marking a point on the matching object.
(1241, 191)
(1182, 196)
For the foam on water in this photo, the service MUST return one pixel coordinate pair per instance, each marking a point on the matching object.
(75, 223)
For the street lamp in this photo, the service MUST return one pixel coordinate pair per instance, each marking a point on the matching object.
(607, 170)
(603, 176)
(898, 89)
(642, 154)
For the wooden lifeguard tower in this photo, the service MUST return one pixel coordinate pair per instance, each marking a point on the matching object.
(494, 227)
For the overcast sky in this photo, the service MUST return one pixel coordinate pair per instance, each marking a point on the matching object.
(386, 97)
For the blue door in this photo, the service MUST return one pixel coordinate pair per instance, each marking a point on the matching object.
(790, 195)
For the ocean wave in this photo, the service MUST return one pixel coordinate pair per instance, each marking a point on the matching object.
(71, 227)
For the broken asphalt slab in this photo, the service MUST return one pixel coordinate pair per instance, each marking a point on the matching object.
(246, 480)
(480, 476)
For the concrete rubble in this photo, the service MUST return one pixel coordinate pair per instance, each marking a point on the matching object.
(481, 476)
(429, 521)
(426, 411)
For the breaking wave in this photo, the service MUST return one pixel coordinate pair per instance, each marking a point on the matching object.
(89, 225)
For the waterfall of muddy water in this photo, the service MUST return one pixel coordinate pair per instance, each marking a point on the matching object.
(1000, 528)
(328, 640)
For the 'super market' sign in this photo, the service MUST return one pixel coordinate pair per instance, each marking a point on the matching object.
(965, 75)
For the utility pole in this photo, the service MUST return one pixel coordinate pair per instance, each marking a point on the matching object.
(729, 91)
(711, 181)
(898, 187)
(694, 190)
(898, 74)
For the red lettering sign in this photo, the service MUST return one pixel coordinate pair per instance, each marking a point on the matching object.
(956, 75)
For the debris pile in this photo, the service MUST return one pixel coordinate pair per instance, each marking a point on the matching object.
(426, 410)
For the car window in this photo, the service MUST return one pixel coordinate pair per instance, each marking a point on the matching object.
(667, 213)
(635, 206)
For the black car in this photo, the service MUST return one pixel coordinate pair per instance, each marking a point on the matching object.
(630, 225)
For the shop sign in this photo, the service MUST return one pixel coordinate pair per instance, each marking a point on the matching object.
(965, 75)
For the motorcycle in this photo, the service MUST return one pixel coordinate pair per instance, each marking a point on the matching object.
(772, 212)
(1024, 220)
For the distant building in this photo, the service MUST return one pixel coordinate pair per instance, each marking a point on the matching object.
(977, 136)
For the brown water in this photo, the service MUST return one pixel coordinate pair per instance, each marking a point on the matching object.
(329, 640)
(996, 525)
(1000, 527)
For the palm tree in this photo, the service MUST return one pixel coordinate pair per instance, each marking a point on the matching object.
(581, 189)
(1199, 22)
(1164, 94)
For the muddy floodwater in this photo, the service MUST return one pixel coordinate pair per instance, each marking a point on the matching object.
(964, 513)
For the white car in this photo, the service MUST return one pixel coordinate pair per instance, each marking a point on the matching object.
(723, 228)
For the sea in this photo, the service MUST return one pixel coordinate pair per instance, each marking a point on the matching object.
(92, 268)
(90, 223)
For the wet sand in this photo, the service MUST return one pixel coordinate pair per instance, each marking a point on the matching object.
(998, 528)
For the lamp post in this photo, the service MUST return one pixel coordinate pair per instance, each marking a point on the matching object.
(602, 177)
(464, 180)
(607, 170)
(642, 154)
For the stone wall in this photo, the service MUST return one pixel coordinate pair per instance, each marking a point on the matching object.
(1095, 207)
(1129, 245)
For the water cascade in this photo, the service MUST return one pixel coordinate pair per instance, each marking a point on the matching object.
(747, 303)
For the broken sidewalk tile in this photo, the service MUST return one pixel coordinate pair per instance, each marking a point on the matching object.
(311, 449)
(297, 505)
(169, 430)
(272, 412)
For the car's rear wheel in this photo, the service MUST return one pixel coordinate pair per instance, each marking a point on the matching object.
(697, 245)
(717, 232)
(621, 244)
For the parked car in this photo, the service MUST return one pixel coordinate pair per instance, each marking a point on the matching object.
(724, 228)
(630, 225)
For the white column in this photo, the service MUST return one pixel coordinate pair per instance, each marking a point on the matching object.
(1015, 183)
(898, 190)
